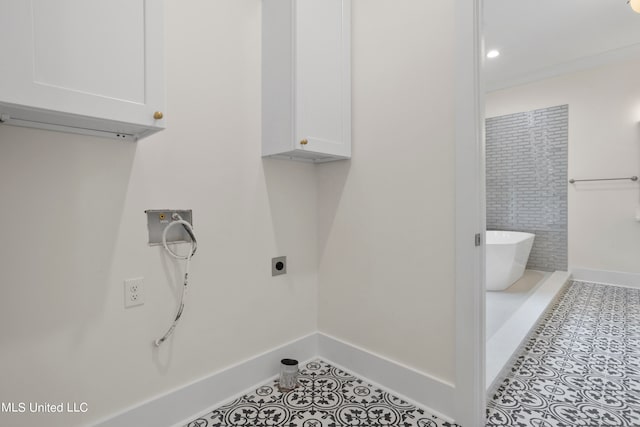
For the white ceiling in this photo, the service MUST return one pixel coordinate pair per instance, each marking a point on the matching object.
(544, 38)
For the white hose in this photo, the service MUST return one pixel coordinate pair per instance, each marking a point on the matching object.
(187, 258)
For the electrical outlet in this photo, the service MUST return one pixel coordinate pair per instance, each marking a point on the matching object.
(278, 266)
(133, 292)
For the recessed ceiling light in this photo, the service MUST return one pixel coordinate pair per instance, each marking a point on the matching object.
(493, 54)
(635, 5)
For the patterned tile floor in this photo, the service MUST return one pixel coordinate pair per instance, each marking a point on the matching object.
(326, 397)
(581, 365)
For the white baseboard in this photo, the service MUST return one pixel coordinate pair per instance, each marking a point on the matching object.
(435, 395)
(631, 280)
(183, 404)
(187, 402)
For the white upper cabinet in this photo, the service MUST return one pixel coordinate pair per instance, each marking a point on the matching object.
(83, 66)
(306, 79)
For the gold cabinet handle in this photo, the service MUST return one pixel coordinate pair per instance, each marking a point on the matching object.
(158, 115)
(304, 142)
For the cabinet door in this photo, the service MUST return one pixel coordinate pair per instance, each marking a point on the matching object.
(92, 58)
(323, 76)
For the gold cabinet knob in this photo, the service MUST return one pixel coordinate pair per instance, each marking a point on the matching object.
(304, 142)
(158, 115)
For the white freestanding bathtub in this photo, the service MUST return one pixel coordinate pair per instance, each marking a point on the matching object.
(507, 256)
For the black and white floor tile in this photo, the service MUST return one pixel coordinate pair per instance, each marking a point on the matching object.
(581, 365)
(326, 397)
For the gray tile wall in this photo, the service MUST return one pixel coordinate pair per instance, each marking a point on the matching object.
(527, 157)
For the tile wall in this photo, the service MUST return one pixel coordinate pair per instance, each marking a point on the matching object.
(527, 155)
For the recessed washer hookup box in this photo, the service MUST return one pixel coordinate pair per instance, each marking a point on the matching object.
(159, 219)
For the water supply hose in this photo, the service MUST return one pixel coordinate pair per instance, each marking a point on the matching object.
(177, 219)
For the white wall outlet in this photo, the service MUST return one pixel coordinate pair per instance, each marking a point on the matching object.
(133, 292)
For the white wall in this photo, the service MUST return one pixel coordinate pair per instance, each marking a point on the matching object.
(74, 229)
(386, 234)
(370, 241)
(604, 142)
